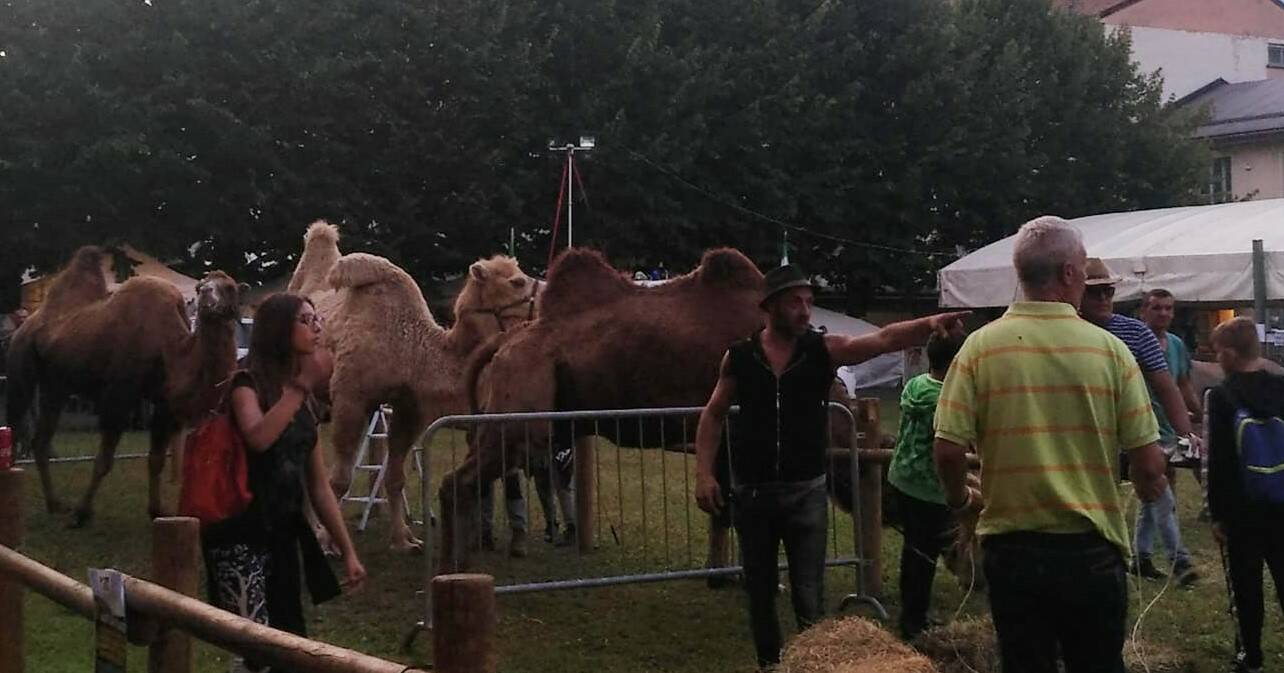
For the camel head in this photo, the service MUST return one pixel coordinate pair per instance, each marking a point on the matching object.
(497, 295)
(218, 297)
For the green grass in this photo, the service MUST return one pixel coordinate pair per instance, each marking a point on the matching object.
(674, 626)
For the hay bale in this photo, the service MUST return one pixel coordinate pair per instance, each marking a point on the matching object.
(851, 645)
(971, 646)
(963, 646)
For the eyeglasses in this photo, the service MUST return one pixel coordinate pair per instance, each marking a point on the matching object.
(1100, 290)
(310, 319)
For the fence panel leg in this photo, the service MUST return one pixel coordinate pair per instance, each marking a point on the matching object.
(585, 491)
(464, 624)
(12, 529)
(176, 562)
(871, 496)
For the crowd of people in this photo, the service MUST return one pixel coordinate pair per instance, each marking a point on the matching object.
(1065, 402)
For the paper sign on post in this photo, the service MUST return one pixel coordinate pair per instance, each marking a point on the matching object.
(109, 626)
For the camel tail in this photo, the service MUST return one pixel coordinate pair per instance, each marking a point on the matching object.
(481, 358)
(20, 388)
(358, 269)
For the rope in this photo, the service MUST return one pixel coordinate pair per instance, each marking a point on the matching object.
(557, 217)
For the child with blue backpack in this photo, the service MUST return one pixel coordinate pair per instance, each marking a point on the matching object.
(1246, 479)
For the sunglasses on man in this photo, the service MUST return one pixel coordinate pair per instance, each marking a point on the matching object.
(1100, 290)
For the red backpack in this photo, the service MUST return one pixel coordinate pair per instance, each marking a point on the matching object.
(216, 484)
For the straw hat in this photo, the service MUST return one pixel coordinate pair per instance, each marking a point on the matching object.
(1098, 273)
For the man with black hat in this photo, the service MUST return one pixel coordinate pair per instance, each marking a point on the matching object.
(1098, 308)
(781, 377)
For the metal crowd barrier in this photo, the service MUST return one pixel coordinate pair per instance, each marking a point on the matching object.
(853, 556)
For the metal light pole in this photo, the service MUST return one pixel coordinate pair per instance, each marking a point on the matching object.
(586, 144)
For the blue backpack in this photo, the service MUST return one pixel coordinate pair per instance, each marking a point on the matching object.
(1261, 456)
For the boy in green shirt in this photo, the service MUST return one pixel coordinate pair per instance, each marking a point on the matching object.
(912, 474)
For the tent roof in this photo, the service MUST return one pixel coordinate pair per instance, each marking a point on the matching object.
(143, 265)
(1199, 253)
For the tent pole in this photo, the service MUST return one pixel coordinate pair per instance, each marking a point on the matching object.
(1259, 283)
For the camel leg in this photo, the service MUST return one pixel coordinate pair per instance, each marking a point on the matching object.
(50, 403)
(102, 465)
(402, 431)
(458, 496)
(348, 421)
(164, 434)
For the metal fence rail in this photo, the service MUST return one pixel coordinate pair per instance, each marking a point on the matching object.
(667, 544)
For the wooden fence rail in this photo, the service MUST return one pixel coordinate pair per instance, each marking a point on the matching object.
(166, 616)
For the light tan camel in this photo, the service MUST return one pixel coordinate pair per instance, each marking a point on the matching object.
(601, 342)
(116, 350)
(388, 348)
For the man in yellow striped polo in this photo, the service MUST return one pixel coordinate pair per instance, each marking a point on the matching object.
(1048, 399)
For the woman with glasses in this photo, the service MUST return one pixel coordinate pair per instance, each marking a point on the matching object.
(253, 559)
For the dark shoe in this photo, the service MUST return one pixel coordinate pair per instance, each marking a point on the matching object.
(550, 533)
(1238, 665)
(1146, 568)
(1185, 574)
(568, 536)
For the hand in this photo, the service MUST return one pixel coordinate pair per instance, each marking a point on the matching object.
(946, 324)
(313, 371)
(709, 494)
(1152, 494)
(355, 573)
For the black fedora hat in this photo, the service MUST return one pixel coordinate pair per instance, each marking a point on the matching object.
(783, 278)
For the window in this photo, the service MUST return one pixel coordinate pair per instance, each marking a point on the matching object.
(1219, 181)
(1275, 55)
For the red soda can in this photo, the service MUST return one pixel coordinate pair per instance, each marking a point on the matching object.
(6, 447)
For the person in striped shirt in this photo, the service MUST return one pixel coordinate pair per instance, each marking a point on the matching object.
(1170, 412)
(1048, 399)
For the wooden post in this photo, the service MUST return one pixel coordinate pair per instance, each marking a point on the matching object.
(585, 491)
(12, 529)
(463, 619)
(176, 562)
(871, 495)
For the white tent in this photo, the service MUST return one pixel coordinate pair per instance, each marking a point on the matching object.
(1199, 253)
(883, 371)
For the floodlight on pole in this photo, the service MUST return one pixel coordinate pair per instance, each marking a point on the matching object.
(586, 144)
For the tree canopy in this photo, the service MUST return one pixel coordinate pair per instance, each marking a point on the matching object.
(881, 133)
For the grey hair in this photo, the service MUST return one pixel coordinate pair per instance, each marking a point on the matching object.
(1042, 246)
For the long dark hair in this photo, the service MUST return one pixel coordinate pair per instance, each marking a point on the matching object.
(271, 357)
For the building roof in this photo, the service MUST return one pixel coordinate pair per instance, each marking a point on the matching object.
(1097, 8)
(1239, 111)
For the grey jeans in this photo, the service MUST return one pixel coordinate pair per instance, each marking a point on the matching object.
(765, 515)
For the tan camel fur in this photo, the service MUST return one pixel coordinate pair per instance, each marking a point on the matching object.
(111, 350)
(601, 342)
(388, 348)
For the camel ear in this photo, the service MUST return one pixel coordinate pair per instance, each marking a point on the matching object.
(242, 288)
(478, 271)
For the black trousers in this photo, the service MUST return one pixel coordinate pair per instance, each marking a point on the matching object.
(927, 533)
(1050, 593)
(766, 515)
(1248, 546)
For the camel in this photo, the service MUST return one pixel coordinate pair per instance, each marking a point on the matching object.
(119, 349)
(388, 348)
(601, 342)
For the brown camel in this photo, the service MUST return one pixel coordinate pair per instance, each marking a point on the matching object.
(387, 348)
(601, 342)
(115, 350)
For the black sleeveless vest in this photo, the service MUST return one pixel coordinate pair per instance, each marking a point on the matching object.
(779, 434)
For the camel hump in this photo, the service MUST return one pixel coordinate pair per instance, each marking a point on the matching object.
(581, 278)
(321, 231)
(80, 282)
(728, 268)
(359, 269)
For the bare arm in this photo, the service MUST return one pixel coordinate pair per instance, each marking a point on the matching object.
(850, 350)
(1171, 399)
(1146, 468)
(327, 509)
(260, 430)
(951, 469)
(1188, 395)
(708, 436)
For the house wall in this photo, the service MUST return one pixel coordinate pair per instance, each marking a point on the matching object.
(1235, 58)
(1257, 168)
